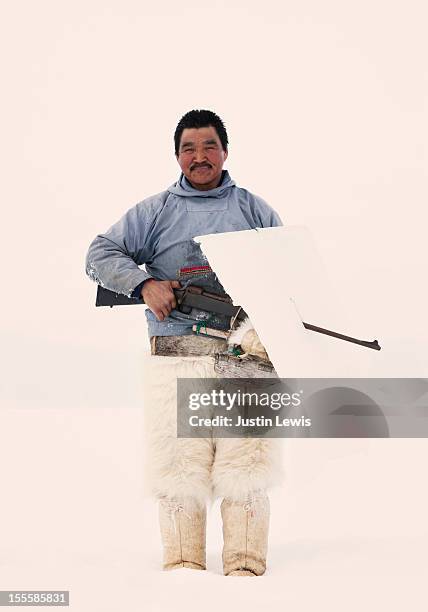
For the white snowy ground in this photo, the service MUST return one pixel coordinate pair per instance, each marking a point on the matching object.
(348, 529)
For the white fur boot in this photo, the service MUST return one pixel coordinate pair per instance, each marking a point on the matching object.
(183, 532)
(245, 535)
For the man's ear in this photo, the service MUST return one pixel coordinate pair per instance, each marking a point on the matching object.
(225, 154)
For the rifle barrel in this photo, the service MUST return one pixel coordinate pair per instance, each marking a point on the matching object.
(373, 345)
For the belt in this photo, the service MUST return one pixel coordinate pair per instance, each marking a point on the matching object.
(186, 346)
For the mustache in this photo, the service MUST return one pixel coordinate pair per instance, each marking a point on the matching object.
(205, 165)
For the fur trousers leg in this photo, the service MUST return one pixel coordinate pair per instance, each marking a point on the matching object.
(243, 467)
(177, 468)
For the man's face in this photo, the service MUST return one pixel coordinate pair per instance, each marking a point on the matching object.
(201, 157)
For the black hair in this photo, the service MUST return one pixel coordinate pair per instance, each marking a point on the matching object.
(199, 119)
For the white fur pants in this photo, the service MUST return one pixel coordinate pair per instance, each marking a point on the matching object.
(198, 468)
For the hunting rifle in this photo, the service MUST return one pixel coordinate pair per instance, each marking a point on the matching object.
(196, 297)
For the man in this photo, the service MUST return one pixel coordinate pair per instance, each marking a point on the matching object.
(159, 232)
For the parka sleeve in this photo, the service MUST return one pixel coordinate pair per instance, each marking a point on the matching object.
(266, 215)
(113, 258)
(272, 219)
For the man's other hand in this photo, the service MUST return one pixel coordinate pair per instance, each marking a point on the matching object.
(159, 296)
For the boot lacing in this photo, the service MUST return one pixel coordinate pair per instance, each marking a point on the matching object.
(174, 508)
(250, 502)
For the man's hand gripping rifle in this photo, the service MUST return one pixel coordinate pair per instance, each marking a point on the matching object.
(196, 297)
